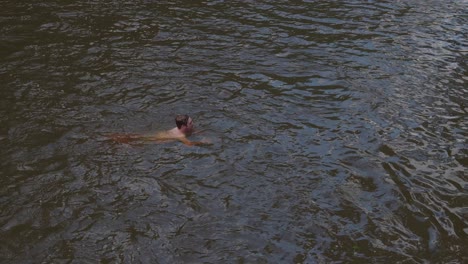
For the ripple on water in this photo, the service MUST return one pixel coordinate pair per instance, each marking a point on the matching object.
(338, 131)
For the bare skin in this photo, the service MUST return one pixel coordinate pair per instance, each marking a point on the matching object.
(183, 130)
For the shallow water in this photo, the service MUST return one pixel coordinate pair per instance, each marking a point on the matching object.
(338, 132)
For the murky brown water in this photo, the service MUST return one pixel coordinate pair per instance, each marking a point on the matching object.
(339, 132)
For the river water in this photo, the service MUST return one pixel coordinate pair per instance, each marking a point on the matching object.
(338, 128)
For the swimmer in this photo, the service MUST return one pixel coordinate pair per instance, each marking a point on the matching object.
(183, 129)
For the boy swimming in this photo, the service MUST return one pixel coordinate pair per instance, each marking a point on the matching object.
(183, 129)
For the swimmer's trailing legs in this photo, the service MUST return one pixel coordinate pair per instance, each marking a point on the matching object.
(124, 138)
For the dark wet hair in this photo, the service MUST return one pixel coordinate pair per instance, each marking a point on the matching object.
(181, 120)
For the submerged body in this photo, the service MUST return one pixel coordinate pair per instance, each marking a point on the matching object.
(183, 130)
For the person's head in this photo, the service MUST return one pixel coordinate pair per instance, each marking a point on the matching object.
(184, 123)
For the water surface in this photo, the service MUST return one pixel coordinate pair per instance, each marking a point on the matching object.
(339, 131)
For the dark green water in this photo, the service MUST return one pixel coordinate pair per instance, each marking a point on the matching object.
(339, 131)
